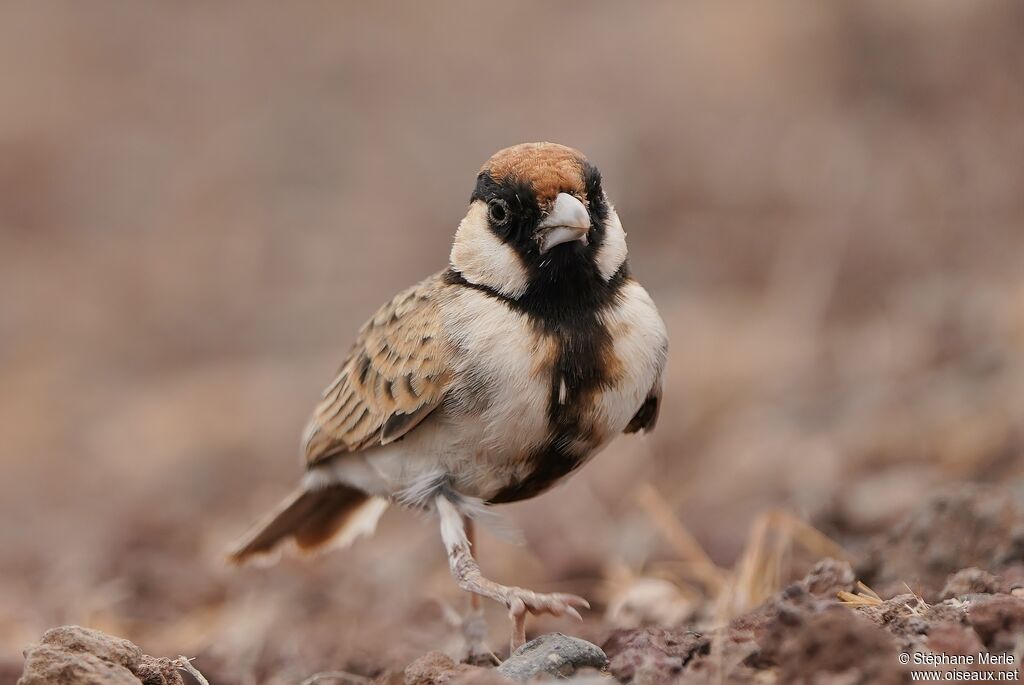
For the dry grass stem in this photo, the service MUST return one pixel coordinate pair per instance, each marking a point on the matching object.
(761, 569)
(857, 599)
(185, 664)
(701, 567)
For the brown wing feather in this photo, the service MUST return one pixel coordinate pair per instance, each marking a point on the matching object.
(395, 375)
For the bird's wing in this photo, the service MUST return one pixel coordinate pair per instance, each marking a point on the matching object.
(395, 375)
(646, 416)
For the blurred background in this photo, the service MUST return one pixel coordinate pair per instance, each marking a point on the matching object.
(201, 203)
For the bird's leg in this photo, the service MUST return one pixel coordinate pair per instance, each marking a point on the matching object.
(473, 625)
(467, 574)
(475, 605)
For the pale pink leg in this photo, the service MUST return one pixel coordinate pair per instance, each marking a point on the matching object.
(467, 574)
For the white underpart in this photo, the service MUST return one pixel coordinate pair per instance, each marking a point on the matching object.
(499, 356)
(351, 469)
(640, 342)
(453, 530)
(482, 258)
(612, 252)
(422, 488)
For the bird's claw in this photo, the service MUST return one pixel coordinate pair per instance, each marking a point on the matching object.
(521, 601)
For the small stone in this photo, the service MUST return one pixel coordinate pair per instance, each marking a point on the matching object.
(555, 654)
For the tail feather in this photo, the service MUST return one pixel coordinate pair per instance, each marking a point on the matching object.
(313, 518)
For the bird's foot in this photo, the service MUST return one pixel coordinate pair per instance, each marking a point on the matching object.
(520, 602)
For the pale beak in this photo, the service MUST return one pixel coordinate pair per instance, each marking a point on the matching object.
(569, 220)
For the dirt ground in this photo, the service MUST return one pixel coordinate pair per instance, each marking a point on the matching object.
(199, 205)
(827, 627)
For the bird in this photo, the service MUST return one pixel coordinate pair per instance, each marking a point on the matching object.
(488, 382)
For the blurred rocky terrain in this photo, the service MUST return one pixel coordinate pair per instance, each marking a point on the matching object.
(200, 204)
(827, 627)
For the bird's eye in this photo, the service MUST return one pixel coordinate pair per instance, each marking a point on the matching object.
(497, 212)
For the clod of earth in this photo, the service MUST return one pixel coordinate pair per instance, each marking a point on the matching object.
(651, 655)
(72, 655)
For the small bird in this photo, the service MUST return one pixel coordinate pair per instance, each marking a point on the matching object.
(491, 380)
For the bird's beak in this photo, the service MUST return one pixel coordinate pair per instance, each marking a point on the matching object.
(569, 220)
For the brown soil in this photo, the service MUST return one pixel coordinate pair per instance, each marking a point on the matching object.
(820, 629)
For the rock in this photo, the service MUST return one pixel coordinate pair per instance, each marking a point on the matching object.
(838, 642)
(828, 578)
(953, 638)
(46, 665)
(116, 650)
(554, 654)
(998, 621)
(652, 654)
(970, 581)
(72, 655)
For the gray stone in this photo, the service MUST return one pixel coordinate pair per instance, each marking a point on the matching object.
(554, 654)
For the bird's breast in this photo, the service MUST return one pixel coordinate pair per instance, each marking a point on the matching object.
(536, 401)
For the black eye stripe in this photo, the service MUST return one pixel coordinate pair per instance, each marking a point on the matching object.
(519, 203)
(523, 211)
(595, 193)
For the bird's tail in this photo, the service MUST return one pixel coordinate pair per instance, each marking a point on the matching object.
(336, 514)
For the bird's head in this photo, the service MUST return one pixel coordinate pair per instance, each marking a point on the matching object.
(538, 219)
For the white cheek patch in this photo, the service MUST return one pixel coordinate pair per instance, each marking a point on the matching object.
(483, 259)
(612, 252)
